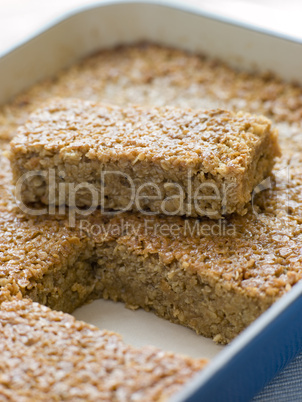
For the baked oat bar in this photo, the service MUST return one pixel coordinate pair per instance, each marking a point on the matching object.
(155, 160)
(216, 280)
(47, 355)
(214, 277)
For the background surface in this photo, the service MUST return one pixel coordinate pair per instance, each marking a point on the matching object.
(20, 18)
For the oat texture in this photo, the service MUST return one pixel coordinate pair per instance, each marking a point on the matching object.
(209, 160)
(215, 276)
(46, 355)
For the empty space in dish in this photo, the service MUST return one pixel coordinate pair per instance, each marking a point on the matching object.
(140, 328)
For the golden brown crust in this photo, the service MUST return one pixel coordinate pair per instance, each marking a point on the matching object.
(216, 141)
(48, 355)
(215, 277)
(148, 74)
(254, 263)
(151, 147)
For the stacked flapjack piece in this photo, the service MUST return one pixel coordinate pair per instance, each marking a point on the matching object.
(144, 205)
(113, 179)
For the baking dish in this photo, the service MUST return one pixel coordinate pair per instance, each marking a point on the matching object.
(250, 361)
